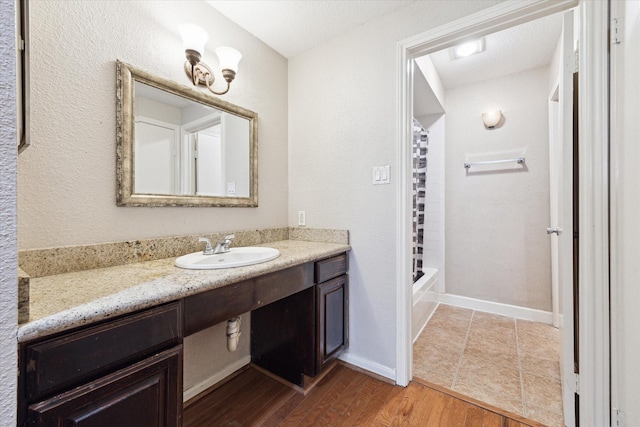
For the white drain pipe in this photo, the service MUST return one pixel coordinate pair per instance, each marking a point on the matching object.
(233, 333)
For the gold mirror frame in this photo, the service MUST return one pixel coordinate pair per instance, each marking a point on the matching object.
(125, 142)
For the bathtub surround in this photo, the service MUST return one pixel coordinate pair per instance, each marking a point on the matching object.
(420, 150)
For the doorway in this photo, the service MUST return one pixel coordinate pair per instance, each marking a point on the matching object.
(593, 188)
(498, 255)
(430, 43)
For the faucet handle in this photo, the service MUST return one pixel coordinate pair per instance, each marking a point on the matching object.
(208, 250)
(229, 237)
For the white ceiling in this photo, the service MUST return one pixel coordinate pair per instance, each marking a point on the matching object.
(523, 47)
(294, 26)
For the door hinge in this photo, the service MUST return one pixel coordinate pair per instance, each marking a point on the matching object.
(616, 37)
(618, 418)
(576, 58)
(577, 379)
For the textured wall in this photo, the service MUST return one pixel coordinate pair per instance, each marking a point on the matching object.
(8, 254)
(496, 245)
(67, 177)
(342, 122)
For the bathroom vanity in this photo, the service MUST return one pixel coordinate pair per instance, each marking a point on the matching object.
(127, 370)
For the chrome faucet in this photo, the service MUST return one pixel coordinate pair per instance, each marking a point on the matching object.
(208, 250)
(221, 247)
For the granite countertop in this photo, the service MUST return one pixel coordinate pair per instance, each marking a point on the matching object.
(68, 300)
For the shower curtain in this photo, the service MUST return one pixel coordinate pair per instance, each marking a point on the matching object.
(420, 147)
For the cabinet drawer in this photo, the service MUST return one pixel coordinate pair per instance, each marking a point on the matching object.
(217, 305)
(145, 394)
(70, 359)
(331, 267)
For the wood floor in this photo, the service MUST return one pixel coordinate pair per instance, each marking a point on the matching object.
(343, 398)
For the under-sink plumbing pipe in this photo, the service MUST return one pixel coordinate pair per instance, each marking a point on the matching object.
(233, 333)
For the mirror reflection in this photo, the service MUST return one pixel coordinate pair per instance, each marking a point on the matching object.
(181, 147)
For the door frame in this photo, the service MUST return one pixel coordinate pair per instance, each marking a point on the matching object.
(594, 181)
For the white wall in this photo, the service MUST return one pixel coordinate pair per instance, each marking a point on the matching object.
(66, 191)
(8, 245)
(496, 246)
(626, 231)
(342, 122)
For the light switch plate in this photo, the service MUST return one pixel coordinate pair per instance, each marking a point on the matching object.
(381, 175)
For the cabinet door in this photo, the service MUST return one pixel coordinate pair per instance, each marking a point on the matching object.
(332, 315)
(146, 394)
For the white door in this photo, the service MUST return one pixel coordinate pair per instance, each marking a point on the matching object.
(562, 197)
(209, 164)
(155, 160)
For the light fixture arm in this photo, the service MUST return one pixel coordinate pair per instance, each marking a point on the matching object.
(201, 74)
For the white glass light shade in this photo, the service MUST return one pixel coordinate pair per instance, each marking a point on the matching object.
(193, 37)
(229, 58)
(492, 119)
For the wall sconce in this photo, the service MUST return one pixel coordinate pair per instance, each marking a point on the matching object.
(492, 119)
(194, 38)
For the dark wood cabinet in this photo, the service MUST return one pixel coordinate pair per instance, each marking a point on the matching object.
(145, 394)
(332, 313)
(127, 371)
(124, 372)
(297, 336)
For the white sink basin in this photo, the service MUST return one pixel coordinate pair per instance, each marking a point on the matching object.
(236, 257)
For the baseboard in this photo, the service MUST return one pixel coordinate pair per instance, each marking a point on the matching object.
(368, 365)
(214, 379)
(516, 311)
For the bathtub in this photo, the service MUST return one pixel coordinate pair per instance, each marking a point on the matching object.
(424, 303)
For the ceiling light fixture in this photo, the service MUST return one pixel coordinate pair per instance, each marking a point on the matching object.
(467, 49)
(194, 38)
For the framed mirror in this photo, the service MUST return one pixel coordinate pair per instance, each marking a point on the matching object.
(177, 146)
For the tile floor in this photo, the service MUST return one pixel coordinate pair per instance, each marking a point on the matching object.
(509, 363)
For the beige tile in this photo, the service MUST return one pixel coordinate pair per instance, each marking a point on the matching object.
(437, 358)
(451, 310)
(543, 393)
(538, 347)
(505, 338)
(498, 354)
(438, 378)
(545, 417)
(488, 320)
(503, 380)
(540, 367)
(500, 401)
(458, 325)
(536, 329)
(434, 334)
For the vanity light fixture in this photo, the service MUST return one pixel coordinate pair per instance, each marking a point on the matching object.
(194, 38)
(467, 49)
(492, 119)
